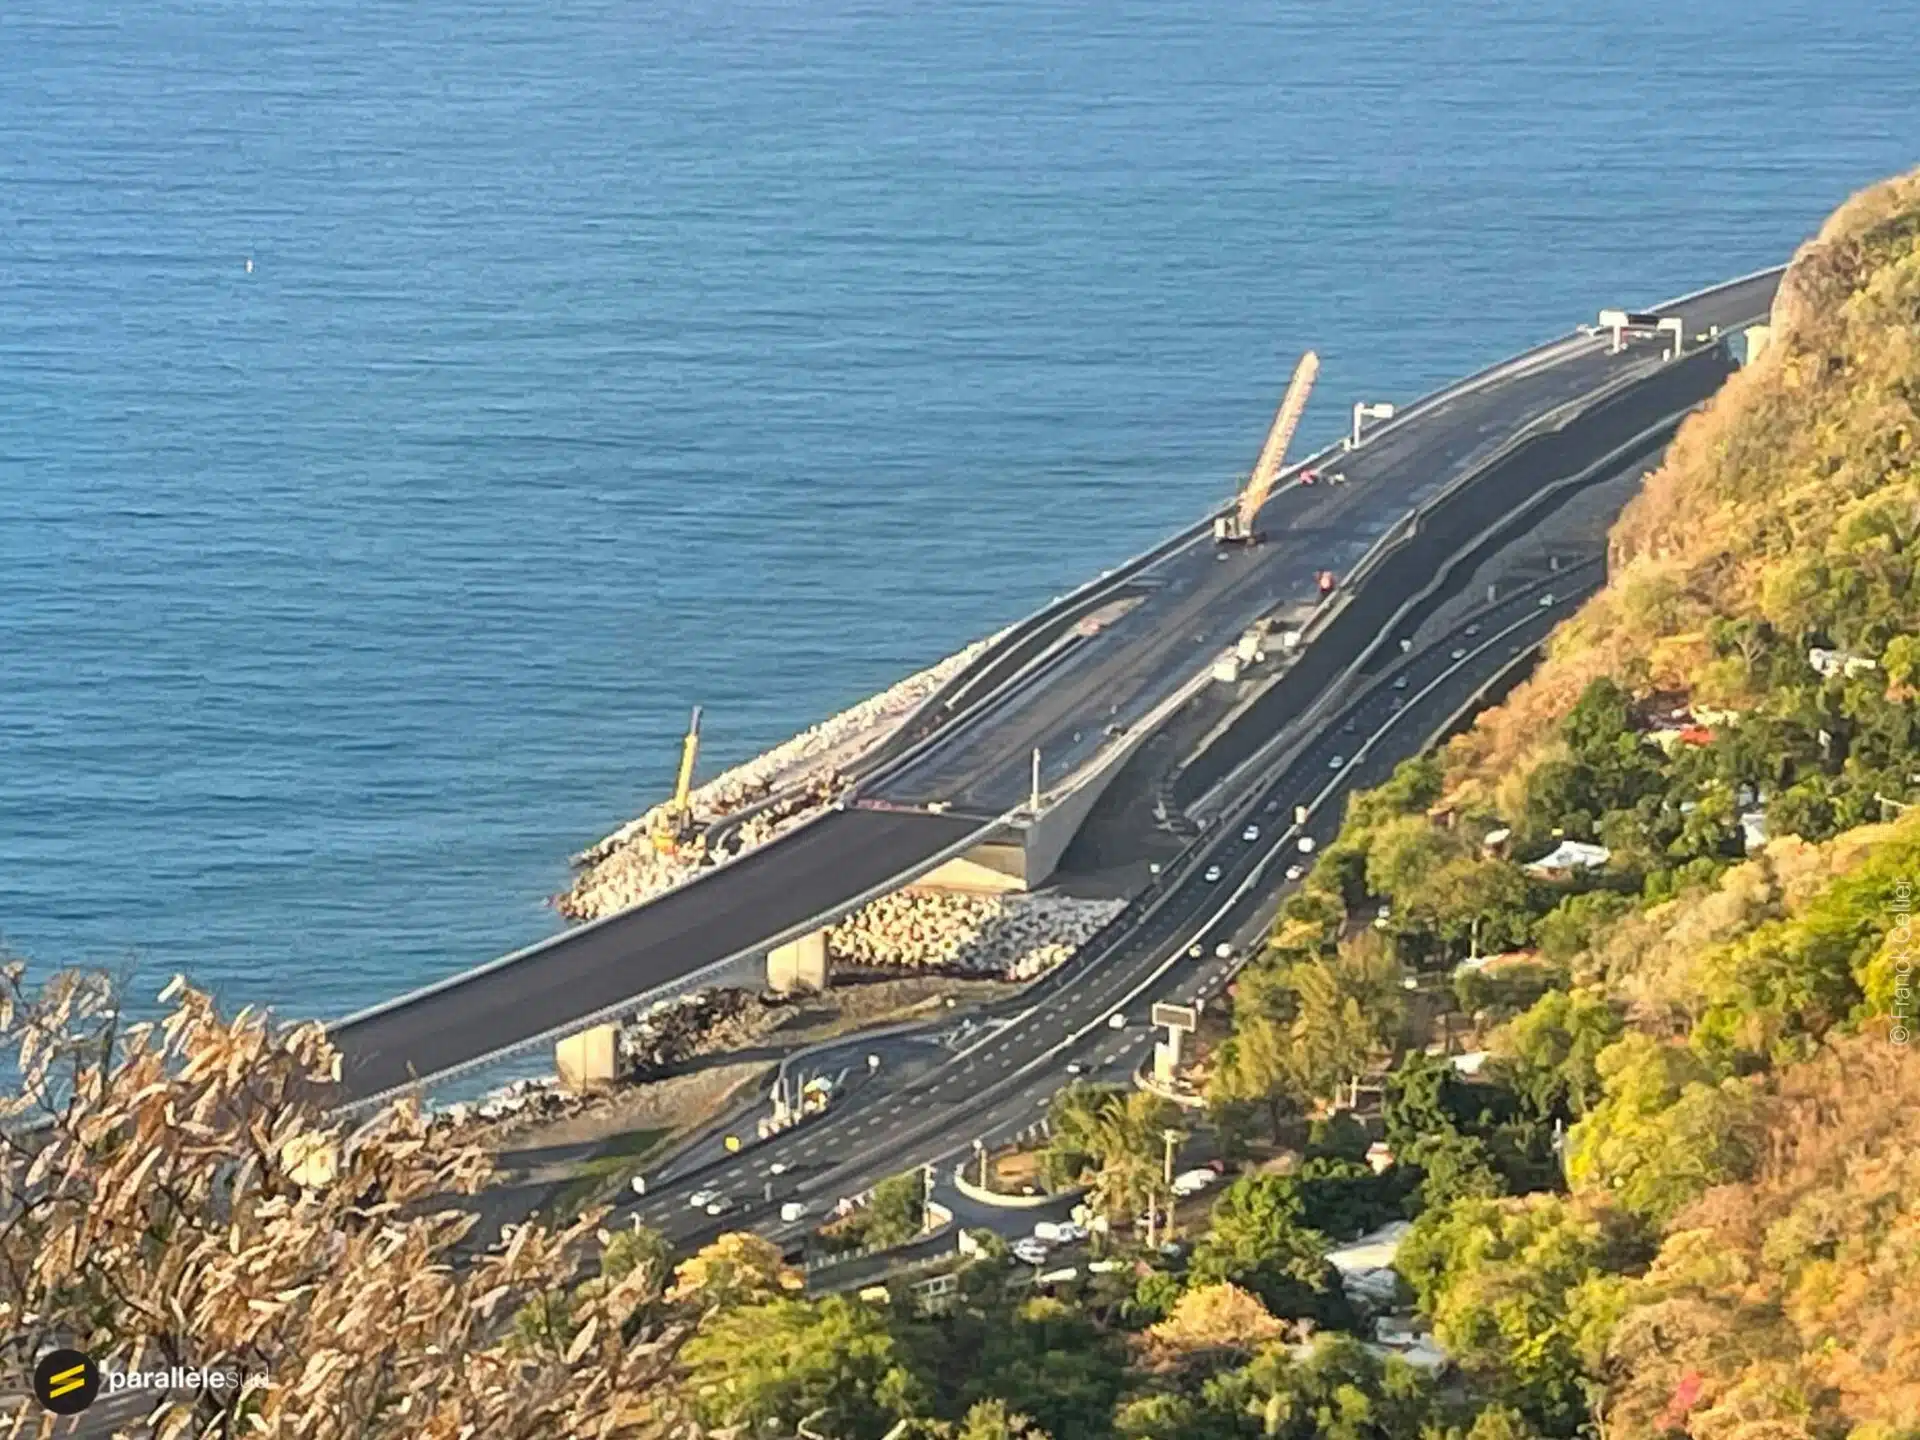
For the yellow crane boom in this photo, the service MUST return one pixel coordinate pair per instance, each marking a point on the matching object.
(673, 827)
(1273, 454)
(689, 752)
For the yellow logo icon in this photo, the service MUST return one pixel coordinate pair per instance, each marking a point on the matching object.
(66, 1381)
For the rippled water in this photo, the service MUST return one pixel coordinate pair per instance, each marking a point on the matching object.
(598, 359)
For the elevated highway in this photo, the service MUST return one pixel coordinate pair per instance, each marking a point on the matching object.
(1081, 682)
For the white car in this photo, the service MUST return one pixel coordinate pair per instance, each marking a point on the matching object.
(1294, 872)
(1306, 845)
(1069, 1232)
(720, 1206)
(1337, 762)
(793, 1210)
(1250, 834)
(1116, 1021)
(1029, 1250)
(1399, 682)
(1196, 950)
(700, 1199)
(1459, 654)
(1223, 951)
(1471, 631)
(778, 1167)
(1546, 601)
(1213, 874)
(1192, 1182)
(1074, 1067)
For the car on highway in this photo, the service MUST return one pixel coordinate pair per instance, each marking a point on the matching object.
(720, 1206)
(1459, 654)
(1196, 950)
(700, 1199)
(778, 1167)
(1337, 762)
(1294, 872)
(1399, 682)
(793, 1210)
(1250, 834)
(1351, 726)
(1471, 631)
(1223, 951)
(1213, 874)
(1116, 1021)
(1305, 845)
(1546, 601)
(1075, 1067)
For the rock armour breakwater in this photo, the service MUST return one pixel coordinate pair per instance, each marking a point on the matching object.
(624, 869)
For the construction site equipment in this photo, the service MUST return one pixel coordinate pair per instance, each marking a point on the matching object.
(1236, 528)
(673, 824)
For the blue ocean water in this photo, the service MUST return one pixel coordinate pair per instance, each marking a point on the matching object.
(598, 359)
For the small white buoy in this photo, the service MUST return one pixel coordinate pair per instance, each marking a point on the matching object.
(249, 264)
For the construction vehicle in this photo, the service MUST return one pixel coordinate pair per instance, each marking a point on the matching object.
(1236, 527)
(673, 822)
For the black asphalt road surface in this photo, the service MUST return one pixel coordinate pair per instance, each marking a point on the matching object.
(1198, 599)
(585, 971)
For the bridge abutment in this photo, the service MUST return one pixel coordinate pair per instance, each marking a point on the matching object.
(799, 964)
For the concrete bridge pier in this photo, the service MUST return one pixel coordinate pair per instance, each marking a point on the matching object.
(799, 964)
(589, 1059)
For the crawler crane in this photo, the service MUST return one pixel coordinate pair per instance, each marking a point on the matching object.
(1236, 527)
(673, 825)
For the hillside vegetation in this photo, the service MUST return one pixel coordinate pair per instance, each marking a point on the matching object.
(1678, 1198)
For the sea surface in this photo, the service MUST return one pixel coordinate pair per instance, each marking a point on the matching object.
(408, 409)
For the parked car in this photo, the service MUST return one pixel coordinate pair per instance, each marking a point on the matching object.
(1029, 1251)
(1294, 872)
(1192, 1182)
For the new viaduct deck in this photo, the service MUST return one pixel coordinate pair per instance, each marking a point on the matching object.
(1170, 616)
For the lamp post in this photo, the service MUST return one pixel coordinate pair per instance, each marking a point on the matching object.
(1364, 411)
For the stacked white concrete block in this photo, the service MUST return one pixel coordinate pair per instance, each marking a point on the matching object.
(1014, 936)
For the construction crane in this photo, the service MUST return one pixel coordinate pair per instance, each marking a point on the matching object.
(673, 822)
(1236, 528)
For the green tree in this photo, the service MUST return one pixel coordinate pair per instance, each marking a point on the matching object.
(1550, 1054)
(1257, 1239)
(1663, 1133)
(776, 1364)
(1509, 1286)
(898, 1210)
(1111, 1140)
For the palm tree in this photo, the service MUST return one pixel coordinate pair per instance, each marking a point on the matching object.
(1109, 1140)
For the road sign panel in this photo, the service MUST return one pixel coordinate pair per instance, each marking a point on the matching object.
(1176, 1017)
